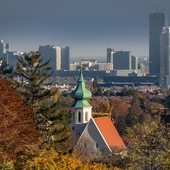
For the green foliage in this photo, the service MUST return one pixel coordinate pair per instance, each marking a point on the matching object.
(35, 86)
(34, 78)
(4, 68)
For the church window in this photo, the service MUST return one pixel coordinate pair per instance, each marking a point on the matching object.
(86, 116)
(97, 145)
(79, 116)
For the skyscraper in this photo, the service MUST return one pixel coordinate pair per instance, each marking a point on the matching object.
(110, 52)
(65, 58)
(122, 60)
(53, 53)
(165, 58)
(4, 48)
(134, 62)
(156, 22)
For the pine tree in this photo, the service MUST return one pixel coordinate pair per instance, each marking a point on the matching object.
(34, 85)
(4, 68)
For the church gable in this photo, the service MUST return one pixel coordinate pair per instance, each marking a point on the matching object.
(91, 141)
(109, 133)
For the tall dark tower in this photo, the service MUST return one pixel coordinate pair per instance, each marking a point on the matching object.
(156, 22)
(110, 52)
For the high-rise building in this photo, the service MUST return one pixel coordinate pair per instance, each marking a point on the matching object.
(156, 22)
(65, 58)
(134, 62)
(122, 60)
(110, 52)
(165, 58)
(4, 48)
(11, 58)
(52, 53)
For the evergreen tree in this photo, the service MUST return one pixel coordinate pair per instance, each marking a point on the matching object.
(34, 85)
(4, 68)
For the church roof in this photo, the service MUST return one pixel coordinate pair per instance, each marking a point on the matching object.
(81, 92)
(81, 103)
(109, 133)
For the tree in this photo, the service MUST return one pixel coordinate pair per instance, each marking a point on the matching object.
(95, 89)
(4, 68)
(35, 86)
(149, 146)
(18, 129)
(34, 76)
(46, 160)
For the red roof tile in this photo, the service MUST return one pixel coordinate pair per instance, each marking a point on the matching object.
(109, 132)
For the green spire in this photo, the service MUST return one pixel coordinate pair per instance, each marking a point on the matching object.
(81, 93)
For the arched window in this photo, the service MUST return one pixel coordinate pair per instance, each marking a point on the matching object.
(79, 116)
(86, 116)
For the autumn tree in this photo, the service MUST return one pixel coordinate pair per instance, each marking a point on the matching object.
(51, 160)
(17, 128)
(149, 146)
(35, 86)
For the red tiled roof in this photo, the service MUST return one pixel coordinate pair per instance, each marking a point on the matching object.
(109, 132)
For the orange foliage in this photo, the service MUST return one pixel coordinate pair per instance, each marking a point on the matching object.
(119, 107)
(17, 128)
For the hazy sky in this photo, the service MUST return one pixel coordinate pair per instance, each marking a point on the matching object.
(87, 26)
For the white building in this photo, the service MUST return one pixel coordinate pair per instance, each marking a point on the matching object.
(95, 137)
(165, 58)
(4, 48)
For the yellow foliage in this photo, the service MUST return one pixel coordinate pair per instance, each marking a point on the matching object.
(50, 160)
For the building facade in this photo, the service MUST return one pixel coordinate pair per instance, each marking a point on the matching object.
(134, 62)
(156, 22)
(95, 137)
(65, 58)
(122, 60)
(4, 48)
(110, 52)
(52, 53)
(165, 58)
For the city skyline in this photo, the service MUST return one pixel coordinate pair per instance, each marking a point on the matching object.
(87, 27)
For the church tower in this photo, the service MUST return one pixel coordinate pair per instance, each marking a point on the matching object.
(81, 109)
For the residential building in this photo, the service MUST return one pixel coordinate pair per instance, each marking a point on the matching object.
(92, 65)
(156, 22)
(165, 58)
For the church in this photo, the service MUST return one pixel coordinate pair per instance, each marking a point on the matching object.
(95, 136)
